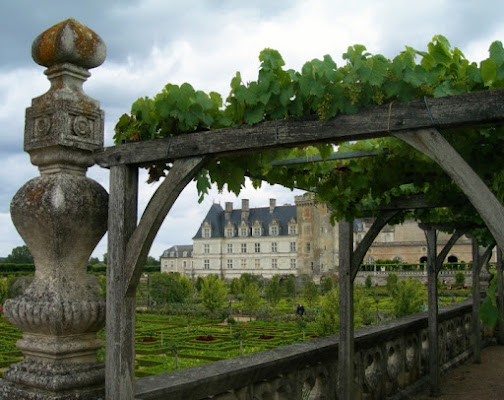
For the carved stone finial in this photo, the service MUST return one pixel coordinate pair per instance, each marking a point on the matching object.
(65, 120)
(61, 215)
(69, 42)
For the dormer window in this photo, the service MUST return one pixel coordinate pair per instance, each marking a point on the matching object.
(206, 231)
(257, 229)
(244, 229)
(274, 228)
(292, 226)
(229, 231)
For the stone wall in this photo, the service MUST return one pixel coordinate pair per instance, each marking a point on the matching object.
(391, 360)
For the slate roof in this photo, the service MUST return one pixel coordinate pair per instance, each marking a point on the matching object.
(179, 251)
(216, 217)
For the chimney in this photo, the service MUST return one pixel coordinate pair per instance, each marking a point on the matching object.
(228, 210)
(272, 205)
(245, 210)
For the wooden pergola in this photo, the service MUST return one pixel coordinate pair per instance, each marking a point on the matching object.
(129, 243)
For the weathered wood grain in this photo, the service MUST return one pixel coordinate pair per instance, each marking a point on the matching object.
(479, 108)
(368, 239)
(500, 298)
(431, 143)
(181, 173)
(434, 367)
(346, 313)
(120, 354)
(476, 302)
(448, 246)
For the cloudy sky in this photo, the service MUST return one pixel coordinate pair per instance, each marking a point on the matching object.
(204, 42)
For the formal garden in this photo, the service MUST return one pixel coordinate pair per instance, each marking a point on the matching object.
(180, 324)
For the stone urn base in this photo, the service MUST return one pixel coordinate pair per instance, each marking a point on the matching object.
(10, 391)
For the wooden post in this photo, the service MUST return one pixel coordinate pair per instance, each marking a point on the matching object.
(500, 298)
(346, 343)
(120, 354)
(434, 370)
(476, 302)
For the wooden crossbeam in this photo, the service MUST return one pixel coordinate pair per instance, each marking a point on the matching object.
(471, 109)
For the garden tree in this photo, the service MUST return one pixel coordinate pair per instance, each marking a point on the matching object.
(198, 284)
(368, 283)
(252, 299)
(363, 308)
(392, 280)
(246, 279)
(20, 255)
(213, 292)
(408, 297)
(326, 284)
(274, 291)
(328, 317)
(169, 288)
(236, 287)
(290, 287)
(311, 293)
(152, 261)
(93, 261)
(459, 279)
(105, 258)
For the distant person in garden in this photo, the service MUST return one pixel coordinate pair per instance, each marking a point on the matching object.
(300, 310)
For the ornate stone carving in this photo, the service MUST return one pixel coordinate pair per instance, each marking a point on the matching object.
(61, 215)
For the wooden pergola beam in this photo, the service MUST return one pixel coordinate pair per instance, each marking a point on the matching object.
(471, 109)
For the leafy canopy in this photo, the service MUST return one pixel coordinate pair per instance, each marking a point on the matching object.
(323, 90)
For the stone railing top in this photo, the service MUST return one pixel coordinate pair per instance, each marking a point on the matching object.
(69, 42)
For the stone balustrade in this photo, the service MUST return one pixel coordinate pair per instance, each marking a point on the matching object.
(380, 277)
(391, 360)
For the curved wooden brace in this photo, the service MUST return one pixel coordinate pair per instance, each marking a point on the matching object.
(485, 256)
(369, 237)
(181, 173)
(434, 145)
(448, 246)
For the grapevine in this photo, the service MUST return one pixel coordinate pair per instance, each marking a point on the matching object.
(324, 90)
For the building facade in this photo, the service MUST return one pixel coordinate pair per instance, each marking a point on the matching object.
(406, 243)
(178, 259)
(291, 239)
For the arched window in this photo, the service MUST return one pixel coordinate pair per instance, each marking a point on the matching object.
(423, 259)
(452, 259)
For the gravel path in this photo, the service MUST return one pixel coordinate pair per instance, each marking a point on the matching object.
(471, 381)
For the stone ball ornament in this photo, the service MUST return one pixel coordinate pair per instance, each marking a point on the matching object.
(69, 42)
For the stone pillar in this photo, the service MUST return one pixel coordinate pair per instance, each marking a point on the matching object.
(61, 215)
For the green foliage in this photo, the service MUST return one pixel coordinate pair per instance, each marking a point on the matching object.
(369, 282)
(459, 279)
(152, 261)
(274, 291)
(19, 255)
(252, 298)
(392, 281)
(328, 317)
(236, 287)
(363, 308)
(323, 90)
(488, 311)
(93, 261)
(11, 267)
(213, 292)
(290, 287)
(326, 284)
(408, 297)
(311, 293)
(169, 288)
